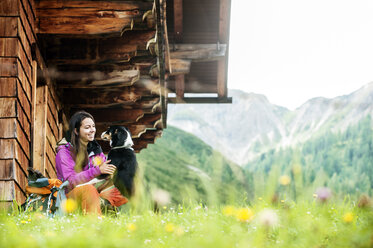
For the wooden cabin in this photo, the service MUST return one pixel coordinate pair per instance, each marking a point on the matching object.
(122, 61)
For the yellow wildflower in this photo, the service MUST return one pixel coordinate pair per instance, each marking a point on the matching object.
(69, 205)
(285, 180)
(169, 227)
(23, 221)
(260, 198)
(244, 214)
(131, 227)
(348, 217)
(228, 210)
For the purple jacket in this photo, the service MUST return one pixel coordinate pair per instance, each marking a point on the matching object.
(65, 164)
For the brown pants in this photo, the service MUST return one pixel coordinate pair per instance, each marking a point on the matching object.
(87, 197)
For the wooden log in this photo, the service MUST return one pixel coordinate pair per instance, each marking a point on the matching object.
(109, 56)
(199, 52)
(89, 18)
(178, 20)
(92, 98)
(112, 115)
(99, 79)
(180, 85)
(150, 119)
(179, 66)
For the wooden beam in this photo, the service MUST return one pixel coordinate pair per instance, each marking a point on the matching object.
(222, 69)
(98, 79)
(89, 17)
(179, 66)
(112, 115)
(90, 52)
(91, 98)
(178, 20)
(198, 100)
(180, 85)
(149, 119)
(39, 139)
(199, 52)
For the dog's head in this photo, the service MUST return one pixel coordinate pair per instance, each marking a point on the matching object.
(118, 136)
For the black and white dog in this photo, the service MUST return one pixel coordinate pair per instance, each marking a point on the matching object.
(123, 157)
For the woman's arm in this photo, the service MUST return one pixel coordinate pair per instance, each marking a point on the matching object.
(65, 169)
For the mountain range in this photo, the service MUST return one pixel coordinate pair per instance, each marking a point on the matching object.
(251, 125)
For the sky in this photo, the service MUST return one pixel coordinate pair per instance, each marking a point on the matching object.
(294, 50)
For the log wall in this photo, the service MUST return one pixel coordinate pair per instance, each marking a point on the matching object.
(18, 95)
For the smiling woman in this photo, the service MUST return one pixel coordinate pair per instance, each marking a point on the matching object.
(74, 164)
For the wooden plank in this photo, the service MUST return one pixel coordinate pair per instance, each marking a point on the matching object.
(23, 140)
(39, 142)
(7, 190)
(180, 85)
(178, 20)
(224, 14)
(28, 24)
(23, 120)
(222, 79)
(11, 191)
(8, 128)
(9, 8)
(9, 169)
(8, 67)
(8, 107)
(24, 80)
(52, 123)
(7, 150)
(21, 156)
(8, 87)
(52, 104)
(199, 52)
(29, 9)
(50, 160)
(51, 136)
(8, 26)
(12, 47)
(24, 101)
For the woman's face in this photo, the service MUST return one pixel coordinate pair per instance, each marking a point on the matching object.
(87, 130)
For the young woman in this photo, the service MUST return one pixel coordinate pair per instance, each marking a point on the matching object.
(74, 164)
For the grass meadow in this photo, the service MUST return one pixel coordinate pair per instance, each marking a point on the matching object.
(263, 223)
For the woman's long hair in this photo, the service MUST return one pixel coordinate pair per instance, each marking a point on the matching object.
(81, 156)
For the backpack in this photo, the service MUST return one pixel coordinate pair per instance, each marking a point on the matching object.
(44, 195)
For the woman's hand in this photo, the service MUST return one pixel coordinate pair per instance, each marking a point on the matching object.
(107, 168)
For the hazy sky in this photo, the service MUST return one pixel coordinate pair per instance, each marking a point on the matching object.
(294, 50)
